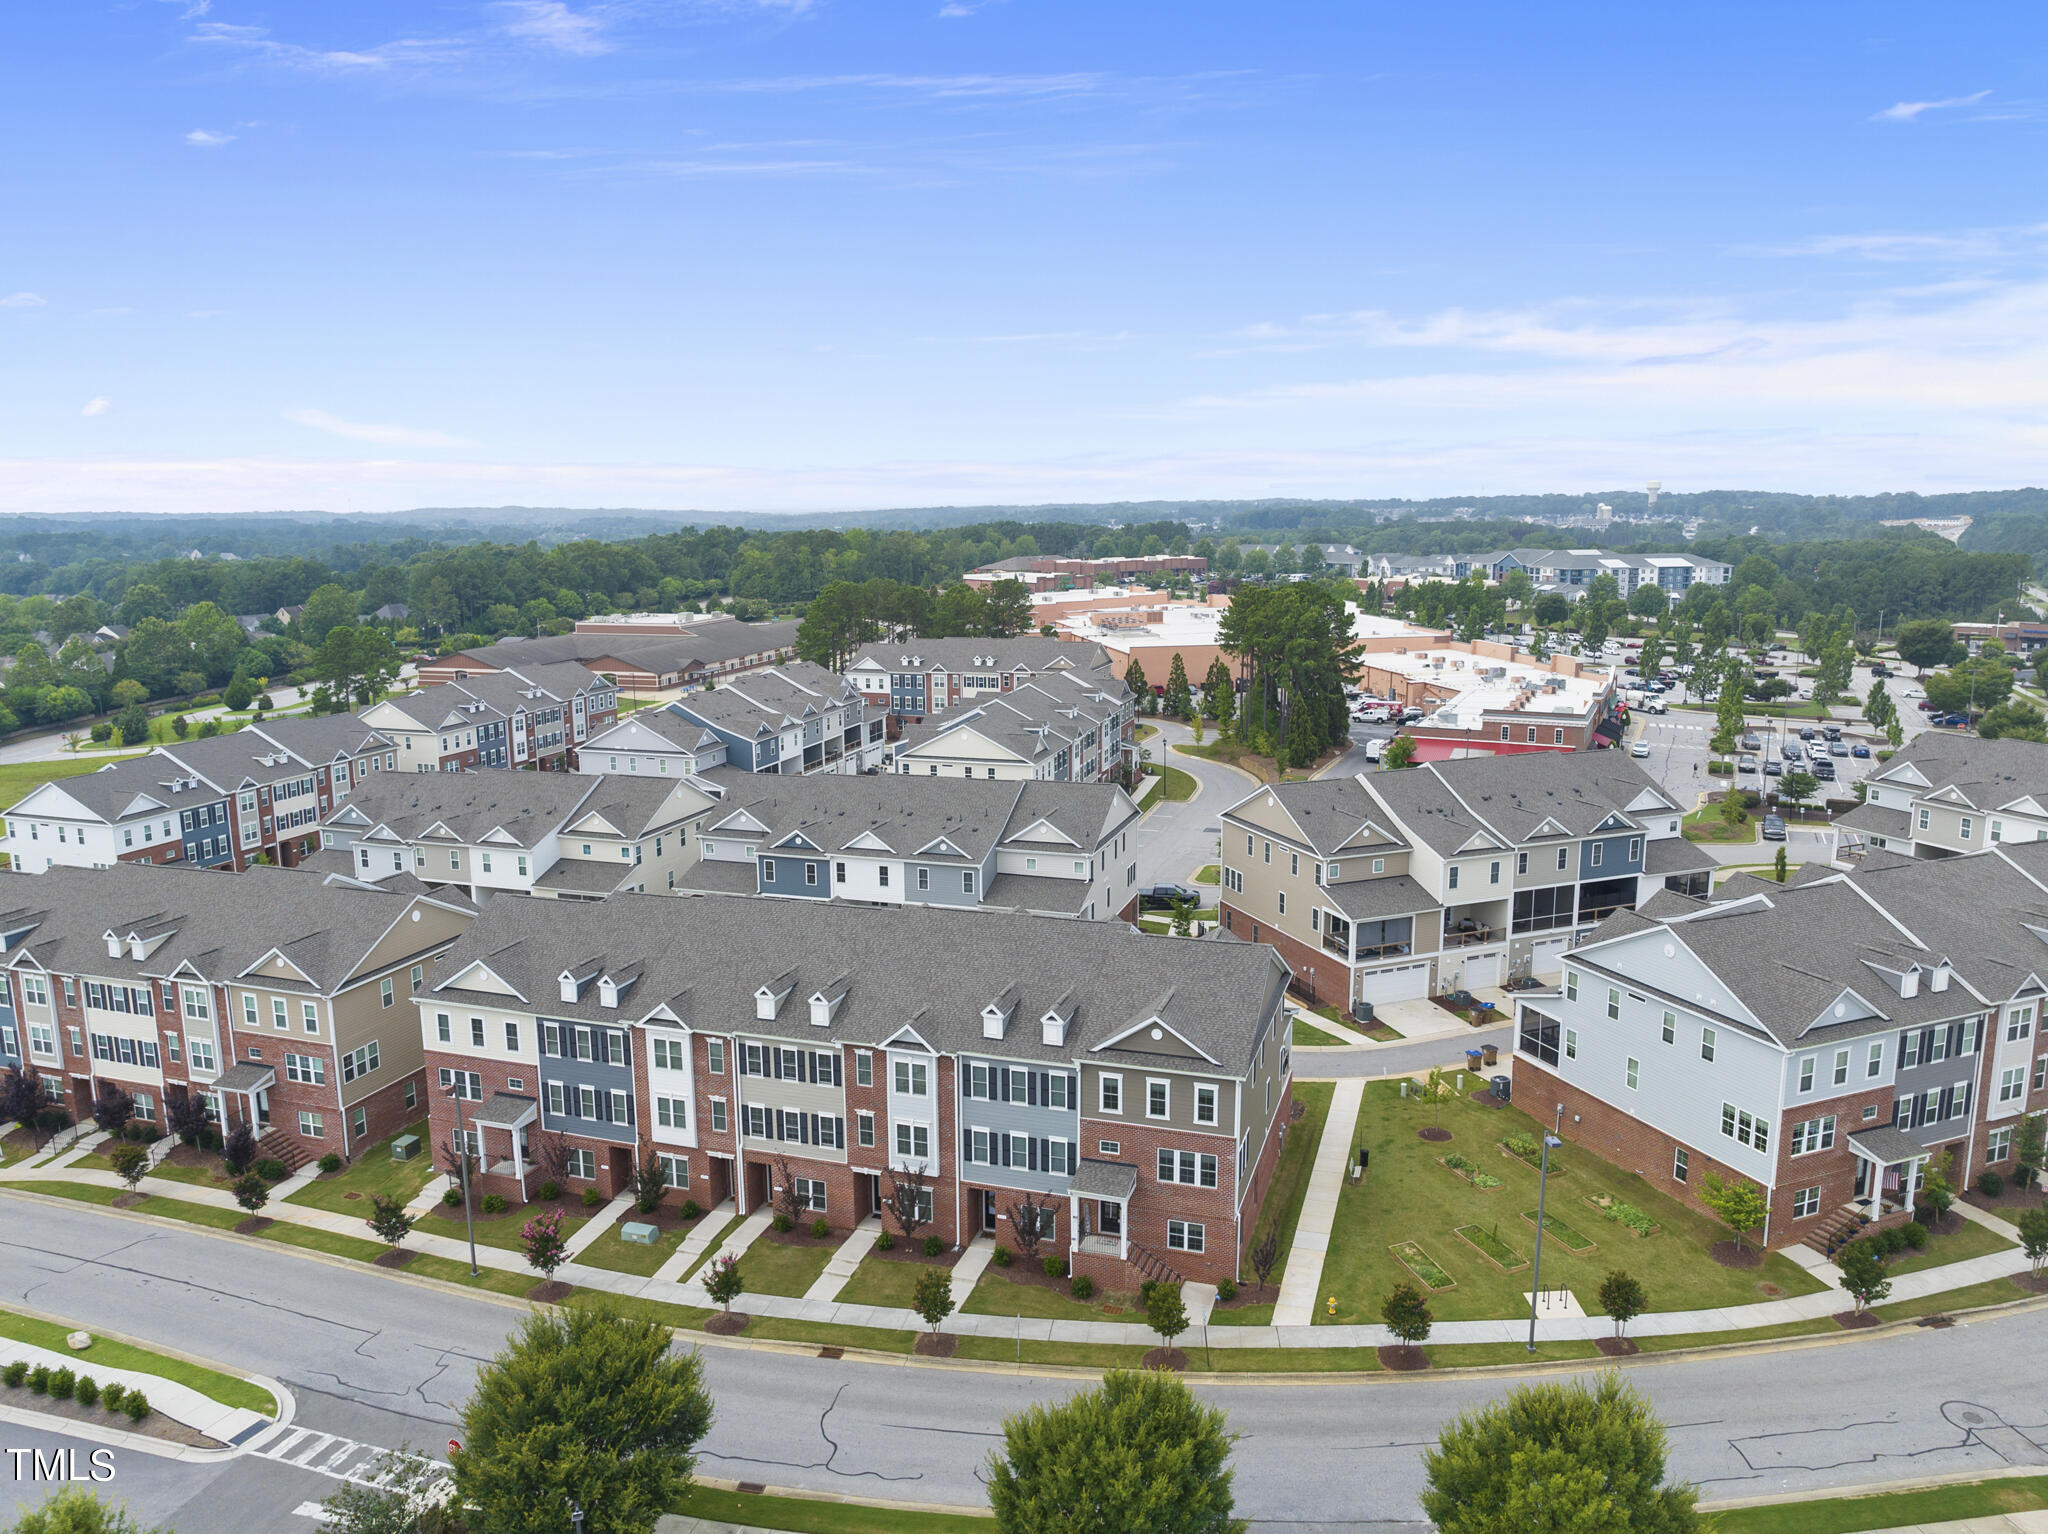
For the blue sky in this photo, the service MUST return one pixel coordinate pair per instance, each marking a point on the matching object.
(836, 254)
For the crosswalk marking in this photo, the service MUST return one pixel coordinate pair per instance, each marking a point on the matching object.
(331, 1455)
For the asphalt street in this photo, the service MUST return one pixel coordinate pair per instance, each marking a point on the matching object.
(380, 1360)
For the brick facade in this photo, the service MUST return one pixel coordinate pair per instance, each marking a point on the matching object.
(1154, 1203)
(1319, 975)
(386, 1110)
(1264, 1164)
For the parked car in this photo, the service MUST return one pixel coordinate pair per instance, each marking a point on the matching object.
(1859, 750)
(1640, 748)
(1774, 828)
(1773, 768)
(1953, 721)
(1752, 743)
(1837, 748)
(1824, 769)
(1747, 764)
(1915, 692)
(1160, 897)
(1656, 706)
(1375, 749)
(1792, 751)
(1834, 732)
(1806, 733)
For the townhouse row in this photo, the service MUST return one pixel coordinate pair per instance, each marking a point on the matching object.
(535, 716)
(1125, 1094)
(1827, 1039)
(281, 998)
(1453, 875)
(783, 720)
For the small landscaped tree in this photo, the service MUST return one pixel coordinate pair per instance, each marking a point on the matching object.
(2034, 1236)
(1557, 1457)
(541, 1240)
(1781, 866)
(77, 1510)
(403, 1496)
(1737, 1203)
(1166, 1312)
(550, 1150)
(1400, 752)
(1938, 1191)
(1623, 1299)
(1863, 1276)
(251, 1192)
(112, 1109)
(1265, 1255)
(2029, 1147)
(1030, 1222)
(789, 1202)
(722, 1281)
(389, 1220)
(131, 1161)
(1406, 1314)
(1142, 1433)
(187, 1115)
(650, 1182)
(21, 1096)
(586, 1407)
(239, 1149)
(909, 1201)
(933, 1297)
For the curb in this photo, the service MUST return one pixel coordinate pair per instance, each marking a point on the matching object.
(857, 1354)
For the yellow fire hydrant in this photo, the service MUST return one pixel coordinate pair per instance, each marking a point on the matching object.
(1333, 1304)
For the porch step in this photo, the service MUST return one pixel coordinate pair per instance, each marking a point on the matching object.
(283, 1148)
(1836, 1230)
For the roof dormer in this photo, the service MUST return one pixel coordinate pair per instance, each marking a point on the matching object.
(995, 1017)
(114, 944)
(576, 981)
(1058, 1018)
(769, 998)
(1939, 978)
(611, 988)
(827, 999)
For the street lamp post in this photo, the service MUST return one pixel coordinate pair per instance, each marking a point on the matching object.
(1550, 1142)
(462, 1165)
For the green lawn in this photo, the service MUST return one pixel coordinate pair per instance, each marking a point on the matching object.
(1306, 1034)
(995, 1295)
(228, 1389)
(614, 1252)
(500, 1231)
(371, 1173)
(1973, 1240)
(356, 1248)
(1208, 874)
(454, 1272)
(169, 1208)
(194, 1176)
(1282, 1207)
(878, 1281)
(1408, 1196)
(1706, 825)
(809, 1517)
(769, 1267)
(1176, 785)
(1889, 1510)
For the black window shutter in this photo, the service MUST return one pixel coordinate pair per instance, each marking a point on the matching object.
(1031, 1093)
(1947, 1093)
(1963, 1098)
(1037, 1155)
(774, 1061)
(838, 1071)
(1005, 1141)
(999, 1079)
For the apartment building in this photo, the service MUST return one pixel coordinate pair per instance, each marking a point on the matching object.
(1396, 886)
(1136, 1086)
(1065, 727)
(564, 836)
(636, 662)
(534, 717)
(274, 995)
(918, 677)
(1057, 849)
(797, 718)
(1947, 794)
(654, 743)
(1571, 570)
(1826, 1039)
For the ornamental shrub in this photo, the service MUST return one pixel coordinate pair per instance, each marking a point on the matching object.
(494, 1203)
(15, 1374)
(820, 1228)
(87, 1391)
(933, 1246)
(1914, 1236)
(451, 1198)
(270, 1169)
(886, 1241)
(782, 1225)
(1055, 1266)
(39, 1380)
(111, 1396)
(135, 1404)
(1226, 1291)
(1083, 1287)
(330, 1163)
(1001, 1257)
(63, 1385)
(550, 1191)
(592, 1198)
(1991, 1184)
(691, 1210)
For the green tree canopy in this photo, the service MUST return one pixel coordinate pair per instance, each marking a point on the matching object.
(1926, 642)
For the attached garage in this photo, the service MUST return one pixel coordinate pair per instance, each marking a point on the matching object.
(1471, 971)
(1403, 982)
(1546, 957)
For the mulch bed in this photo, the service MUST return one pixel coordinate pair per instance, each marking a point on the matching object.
(1435, 1134)
(254, 1225)
(1486, 1099)
(155, 1425)
(199, 1161)
(551, 1292)
(1247, 1295)
(935, 1345)
(728, 1323)
(910, 1251)
(1167, 1358)
(2011, 1202)
(396, 1258)
(446, 1219)
(2033, 1283)
(129, 1200)
(801, 1236)
(1852, 1321)
(1940, 1225)
(1403, 1360)
(1616, 1347)
(1729, 1255)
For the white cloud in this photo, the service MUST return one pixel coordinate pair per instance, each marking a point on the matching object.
(551, 24)
(1910, 111)
(99, 404)
(23, 301)
(256, 42)
(206, 138)
(363, 431)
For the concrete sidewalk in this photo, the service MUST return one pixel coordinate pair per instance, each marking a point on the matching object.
(1303, 1280)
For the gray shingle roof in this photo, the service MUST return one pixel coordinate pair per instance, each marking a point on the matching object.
(1508, 798)
(525, 805)
(1989, 773)
(1027, 652)
(1330, 811)
(111, 791)
(705, 959)
(1372, 899)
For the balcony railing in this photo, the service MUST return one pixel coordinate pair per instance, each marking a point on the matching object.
(1468, 937)
(1601, 912)
(1337, 945)
(1383, 950)
(1544, 923)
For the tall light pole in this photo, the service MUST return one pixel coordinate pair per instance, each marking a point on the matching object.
(1550, 1142)
(469, 1211)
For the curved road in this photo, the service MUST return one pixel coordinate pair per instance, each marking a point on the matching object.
(384, 1361)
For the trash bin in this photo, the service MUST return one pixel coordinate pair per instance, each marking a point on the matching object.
(1501, 1088)
(1492, 1053)
(1472, 1060)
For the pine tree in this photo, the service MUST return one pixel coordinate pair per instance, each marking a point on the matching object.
(1179, 698)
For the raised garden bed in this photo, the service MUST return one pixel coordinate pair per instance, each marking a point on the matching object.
(1490, 1246)
(1626, 1215)
(1533, 1160)
(1412, 1257)
(1575, 1243)
(1485, 1182)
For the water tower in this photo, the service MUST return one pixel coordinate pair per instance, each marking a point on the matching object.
(1655, 486)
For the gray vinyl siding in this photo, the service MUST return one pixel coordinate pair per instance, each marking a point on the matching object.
(1614, 858)
(789, 874)
(1006, 1118)
(815, 1088)
(1956, 1111)
(209, 823)
(12, 1041)
(945, 883)
(604, 1076)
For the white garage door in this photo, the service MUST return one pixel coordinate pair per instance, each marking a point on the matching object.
(1406, 982)
(1482, 969)
(1546, 957)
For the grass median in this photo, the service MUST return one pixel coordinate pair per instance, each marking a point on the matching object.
(228, 1389)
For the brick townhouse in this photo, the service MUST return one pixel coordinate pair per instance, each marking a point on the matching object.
(1134, 1088)
(281, 997)
(1828, 1039)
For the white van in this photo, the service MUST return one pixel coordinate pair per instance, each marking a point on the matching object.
(1375, 749)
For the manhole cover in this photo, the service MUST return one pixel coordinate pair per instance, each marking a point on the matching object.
(1971, 1416)
(831, 1352)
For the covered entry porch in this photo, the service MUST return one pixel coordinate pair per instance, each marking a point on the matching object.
(1889, 1166)
(1098, 1208)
